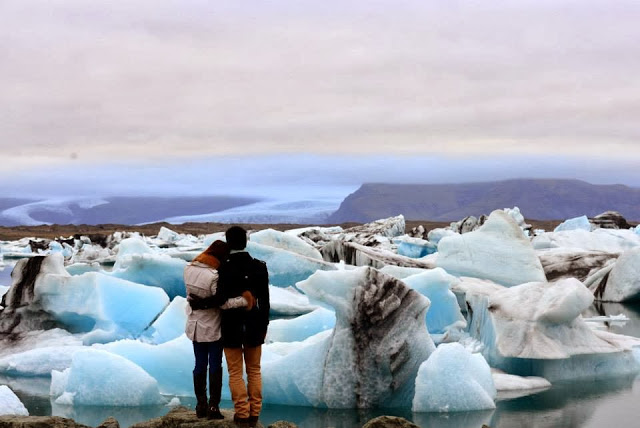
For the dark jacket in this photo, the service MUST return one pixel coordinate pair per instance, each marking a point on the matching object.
(240, 327)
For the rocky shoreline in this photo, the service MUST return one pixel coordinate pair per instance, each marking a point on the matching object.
(178, 417)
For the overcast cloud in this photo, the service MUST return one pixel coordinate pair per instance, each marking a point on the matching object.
(152, 82)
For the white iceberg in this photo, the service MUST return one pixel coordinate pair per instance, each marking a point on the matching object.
(454, 380)
(285, 241)
(99, 378)
(10, 404)
(288, 301)
(302, 327)
(577, 223)
(497, 251)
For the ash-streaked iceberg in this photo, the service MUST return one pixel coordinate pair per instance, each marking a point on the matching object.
(497, 251)
(536, 329)
(371, 359)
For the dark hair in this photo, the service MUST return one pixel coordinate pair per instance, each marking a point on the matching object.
(236, 238)
(218, 249)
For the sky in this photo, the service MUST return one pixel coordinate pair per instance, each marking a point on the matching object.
(159, 96)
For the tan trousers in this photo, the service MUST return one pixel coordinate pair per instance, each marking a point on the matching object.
(245, 404)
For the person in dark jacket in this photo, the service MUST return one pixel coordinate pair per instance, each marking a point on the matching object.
(243, 332)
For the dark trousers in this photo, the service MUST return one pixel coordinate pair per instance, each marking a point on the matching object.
(207, 353)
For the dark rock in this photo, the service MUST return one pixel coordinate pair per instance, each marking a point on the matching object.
(110, 422)
(389, 422)
(182, 417)
(610, 220)
(282, 424)
(14, 421)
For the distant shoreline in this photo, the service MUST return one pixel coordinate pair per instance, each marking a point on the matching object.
(53, 231)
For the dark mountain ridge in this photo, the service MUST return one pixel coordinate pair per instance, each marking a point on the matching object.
(541, 199)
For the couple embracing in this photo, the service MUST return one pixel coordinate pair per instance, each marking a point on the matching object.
(228, 295)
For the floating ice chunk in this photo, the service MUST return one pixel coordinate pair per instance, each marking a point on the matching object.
(497, 251)
(131, 246)
(435, 235)
(454, 380)
(168, 235)
(209, 239)
(302, 327)
(10, 404)
(607, 240)
(175, 402)
(170, 363)
(444, 311)
(285, 348)
(561, 263)
(170, 324)
(158, 270)
(623, 282)
(518, 218)
(31, 340)
(285, 267)
(637, 229)
(509, 382)
(288, 301)
(66, 250)
(401, 272)
(577, 223)
(414, 247)
(80, 268)
(373, 355)
(99, 378)
(97, 302)
(535, 329)
(39, 361)
(285, 241)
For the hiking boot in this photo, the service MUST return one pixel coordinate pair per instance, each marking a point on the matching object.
(215, 391)
(253, 421)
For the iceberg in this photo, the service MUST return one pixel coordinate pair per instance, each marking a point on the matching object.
(497, 251)
(505, 382)
(435, 235)
(444, 311)
(286, 268)
(361, 255)
(414, 247)
(10, 404)
(170, 363)
(38, 362)
(99, 378)
(371, 358)
(577, 223)
(288, 301)
(622, 283)
(605, 240)
(136, 262)
(170, 324)
(285, 241)
(454, 380)
(401, 272)
(302, 327)
(535, 329)
(108, 307)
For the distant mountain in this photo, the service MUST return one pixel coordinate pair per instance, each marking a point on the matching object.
(111, 210)
(537, 199)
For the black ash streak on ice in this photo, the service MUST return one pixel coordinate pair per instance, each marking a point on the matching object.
(381, 304)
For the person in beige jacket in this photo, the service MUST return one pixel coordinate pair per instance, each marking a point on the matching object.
(203, 326)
